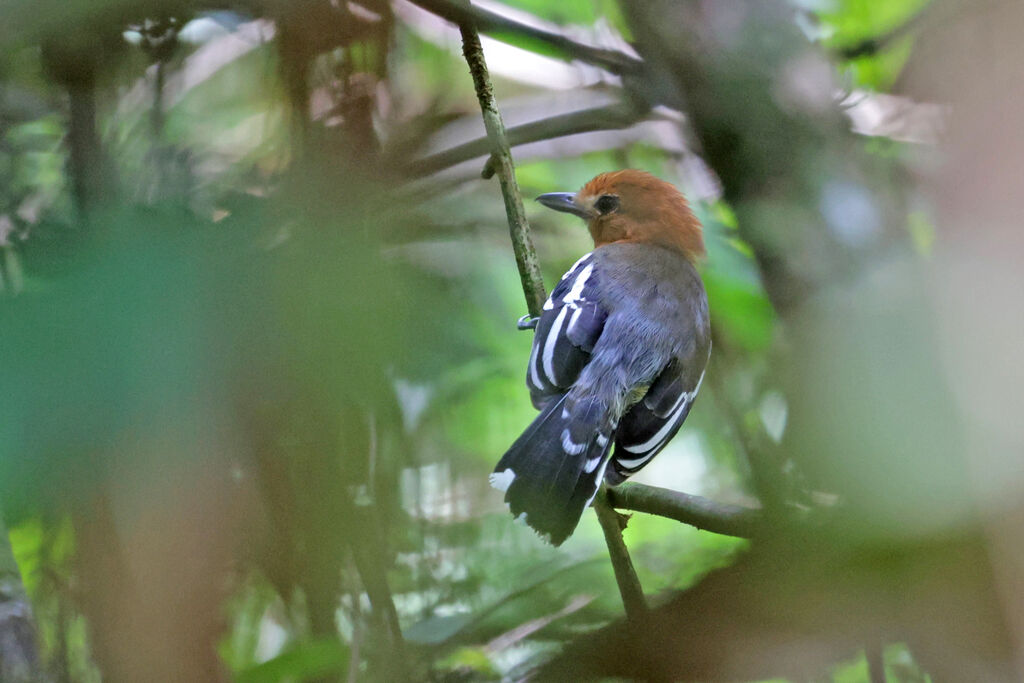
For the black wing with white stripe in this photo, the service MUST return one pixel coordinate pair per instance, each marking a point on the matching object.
(652, 422)
(569, 327)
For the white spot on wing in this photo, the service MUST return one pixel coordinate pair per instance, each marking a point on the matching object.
(534, 375)
(684, 400)
(598, 480)
(549, 304)
(693, 394)
(549, 345)
(592, 464)
(602, 439)
(635, 462)
(502, 480)
(575, 316)
(570, 446)
(656, 439)
(699, 382)
(576, 293)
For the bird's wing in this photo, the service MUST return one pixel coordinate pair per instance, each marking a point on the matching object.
(569, 327)
(654, 420)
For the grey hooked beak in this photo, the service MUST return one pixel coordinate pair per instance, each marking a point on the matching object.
(562, 201)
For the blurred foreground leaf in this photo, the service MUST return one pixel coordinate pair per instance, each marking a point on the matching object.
(306, 660)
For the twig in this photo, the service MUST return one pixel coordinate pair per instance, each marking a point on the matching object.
(612, 524)
(697, 511)
(519, 228)
(484, 613)
(465, 14)
(510, 638)
(609, 117)
(875, 656)
(372, 569)
(533, 288)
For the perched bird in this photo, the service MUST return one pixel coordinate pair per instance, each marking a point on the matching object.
(618, 353)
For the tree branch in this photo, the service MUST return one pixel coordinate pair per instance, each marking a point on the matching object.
(875, 656)
(533, 288)
(463, 13)
(612, 524)
(519, 228)
(719, 518)
(609, 117)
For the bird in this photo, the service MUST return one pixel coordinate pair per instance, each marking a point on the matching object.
(618, 355)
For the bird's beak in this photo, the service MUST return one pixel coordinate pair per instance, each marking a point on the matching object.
(562, 201)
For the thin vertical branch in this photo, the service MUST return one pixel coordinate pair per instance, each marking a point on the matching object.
(372, 568)
(84, 163)
(533, 289)
(875, 656)
(519, 228)
(625, 575)
(372, 564)
(76, 70)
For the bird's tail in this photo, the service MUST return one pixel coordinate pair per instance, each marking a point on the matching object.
(552, 471)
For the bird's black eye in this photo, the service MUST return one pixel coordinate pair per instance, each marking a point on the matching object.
(606, 203)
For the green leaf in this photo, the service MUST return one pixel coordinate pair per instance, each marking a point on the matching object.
(306, 660)
(472, 658)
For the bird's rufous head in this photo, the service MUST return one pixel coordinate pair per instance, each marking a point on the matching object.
(633, 206)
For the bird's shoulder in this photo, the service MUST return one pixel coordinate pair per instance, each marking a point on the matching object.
(630, 272)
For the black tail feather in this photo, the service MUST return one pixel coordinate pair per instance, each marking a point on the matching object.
(553, 469)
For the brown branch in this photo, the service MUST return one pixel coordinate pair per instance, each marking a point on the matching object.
(466, 14)
(697, 511)
(612, 524)
(875, 656)
(609, 117)
(76, 68)
(519, 228)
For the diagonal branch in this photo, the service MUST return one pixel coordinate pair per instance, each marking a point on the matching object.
(609, 117)
(463, 13)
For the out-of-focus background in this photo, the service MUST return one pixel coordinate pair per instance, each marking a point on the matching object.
(258, 349)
